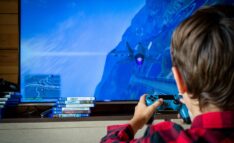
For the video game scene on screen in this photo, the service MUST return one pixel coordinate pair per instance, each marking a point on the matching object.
(113, 50)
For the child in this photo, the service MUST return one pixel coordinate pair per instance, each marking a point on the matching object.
(202, 51)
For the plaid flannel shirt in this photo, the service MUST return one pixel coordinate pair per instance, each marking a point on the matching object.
(215, 127)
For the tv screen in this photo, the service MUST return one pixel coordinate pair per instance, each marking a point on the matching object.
(113, 50)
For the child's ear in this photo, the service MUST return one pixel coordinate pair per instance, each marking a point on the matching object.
(179, 80)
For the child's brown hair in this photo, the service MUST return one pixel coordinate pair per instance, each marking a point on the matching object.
(202, 49)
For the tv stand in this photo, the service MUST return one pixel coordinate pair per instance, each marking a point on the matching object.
(30, 112)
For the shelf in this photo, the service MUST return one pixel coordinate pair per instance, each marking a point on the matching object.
(91, 118)
(31, 112)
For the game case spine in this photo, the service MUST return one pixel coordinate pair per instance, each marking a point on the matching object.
(75, 102)
(3, 99)
(71, 112)
(70, 115)
(70, 108)
(75, 105)
(75, 98)
(3, 94)
(2, 102)
(10, 95)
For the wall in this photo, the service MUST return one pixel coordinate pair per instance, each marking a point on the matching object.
(9, 40)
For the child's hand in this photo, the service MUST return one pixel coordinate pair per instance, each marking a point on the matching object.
(143, 113)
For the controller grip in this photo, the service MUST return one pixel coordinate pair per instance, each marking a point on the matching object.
(184, 114)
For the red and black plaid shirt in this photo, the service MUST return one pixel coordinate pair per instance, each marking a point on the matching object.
(215, 127)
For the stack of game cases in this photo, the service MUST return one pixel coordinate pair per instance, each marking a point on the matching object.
(8, 99)
(73, 107)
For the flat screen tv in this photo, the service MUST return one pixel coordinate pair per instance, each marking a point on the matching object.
(114, 50)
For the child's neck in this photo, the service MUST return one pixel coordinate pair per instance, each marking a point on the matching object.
(211, 108)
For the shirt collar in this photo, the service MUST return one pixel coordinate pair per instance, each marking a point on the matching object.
(214, 120)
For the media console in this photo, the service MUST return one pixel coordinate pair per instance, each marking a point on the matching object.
(31, 112)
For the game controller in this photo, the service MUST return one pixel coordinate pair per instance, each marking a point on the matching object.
(170, 102)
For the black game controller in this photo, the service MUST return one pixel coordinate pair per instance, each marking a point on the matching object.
(170, 102)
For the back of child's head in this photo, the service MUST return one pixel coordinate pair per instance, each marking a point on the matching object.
(203, 52)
